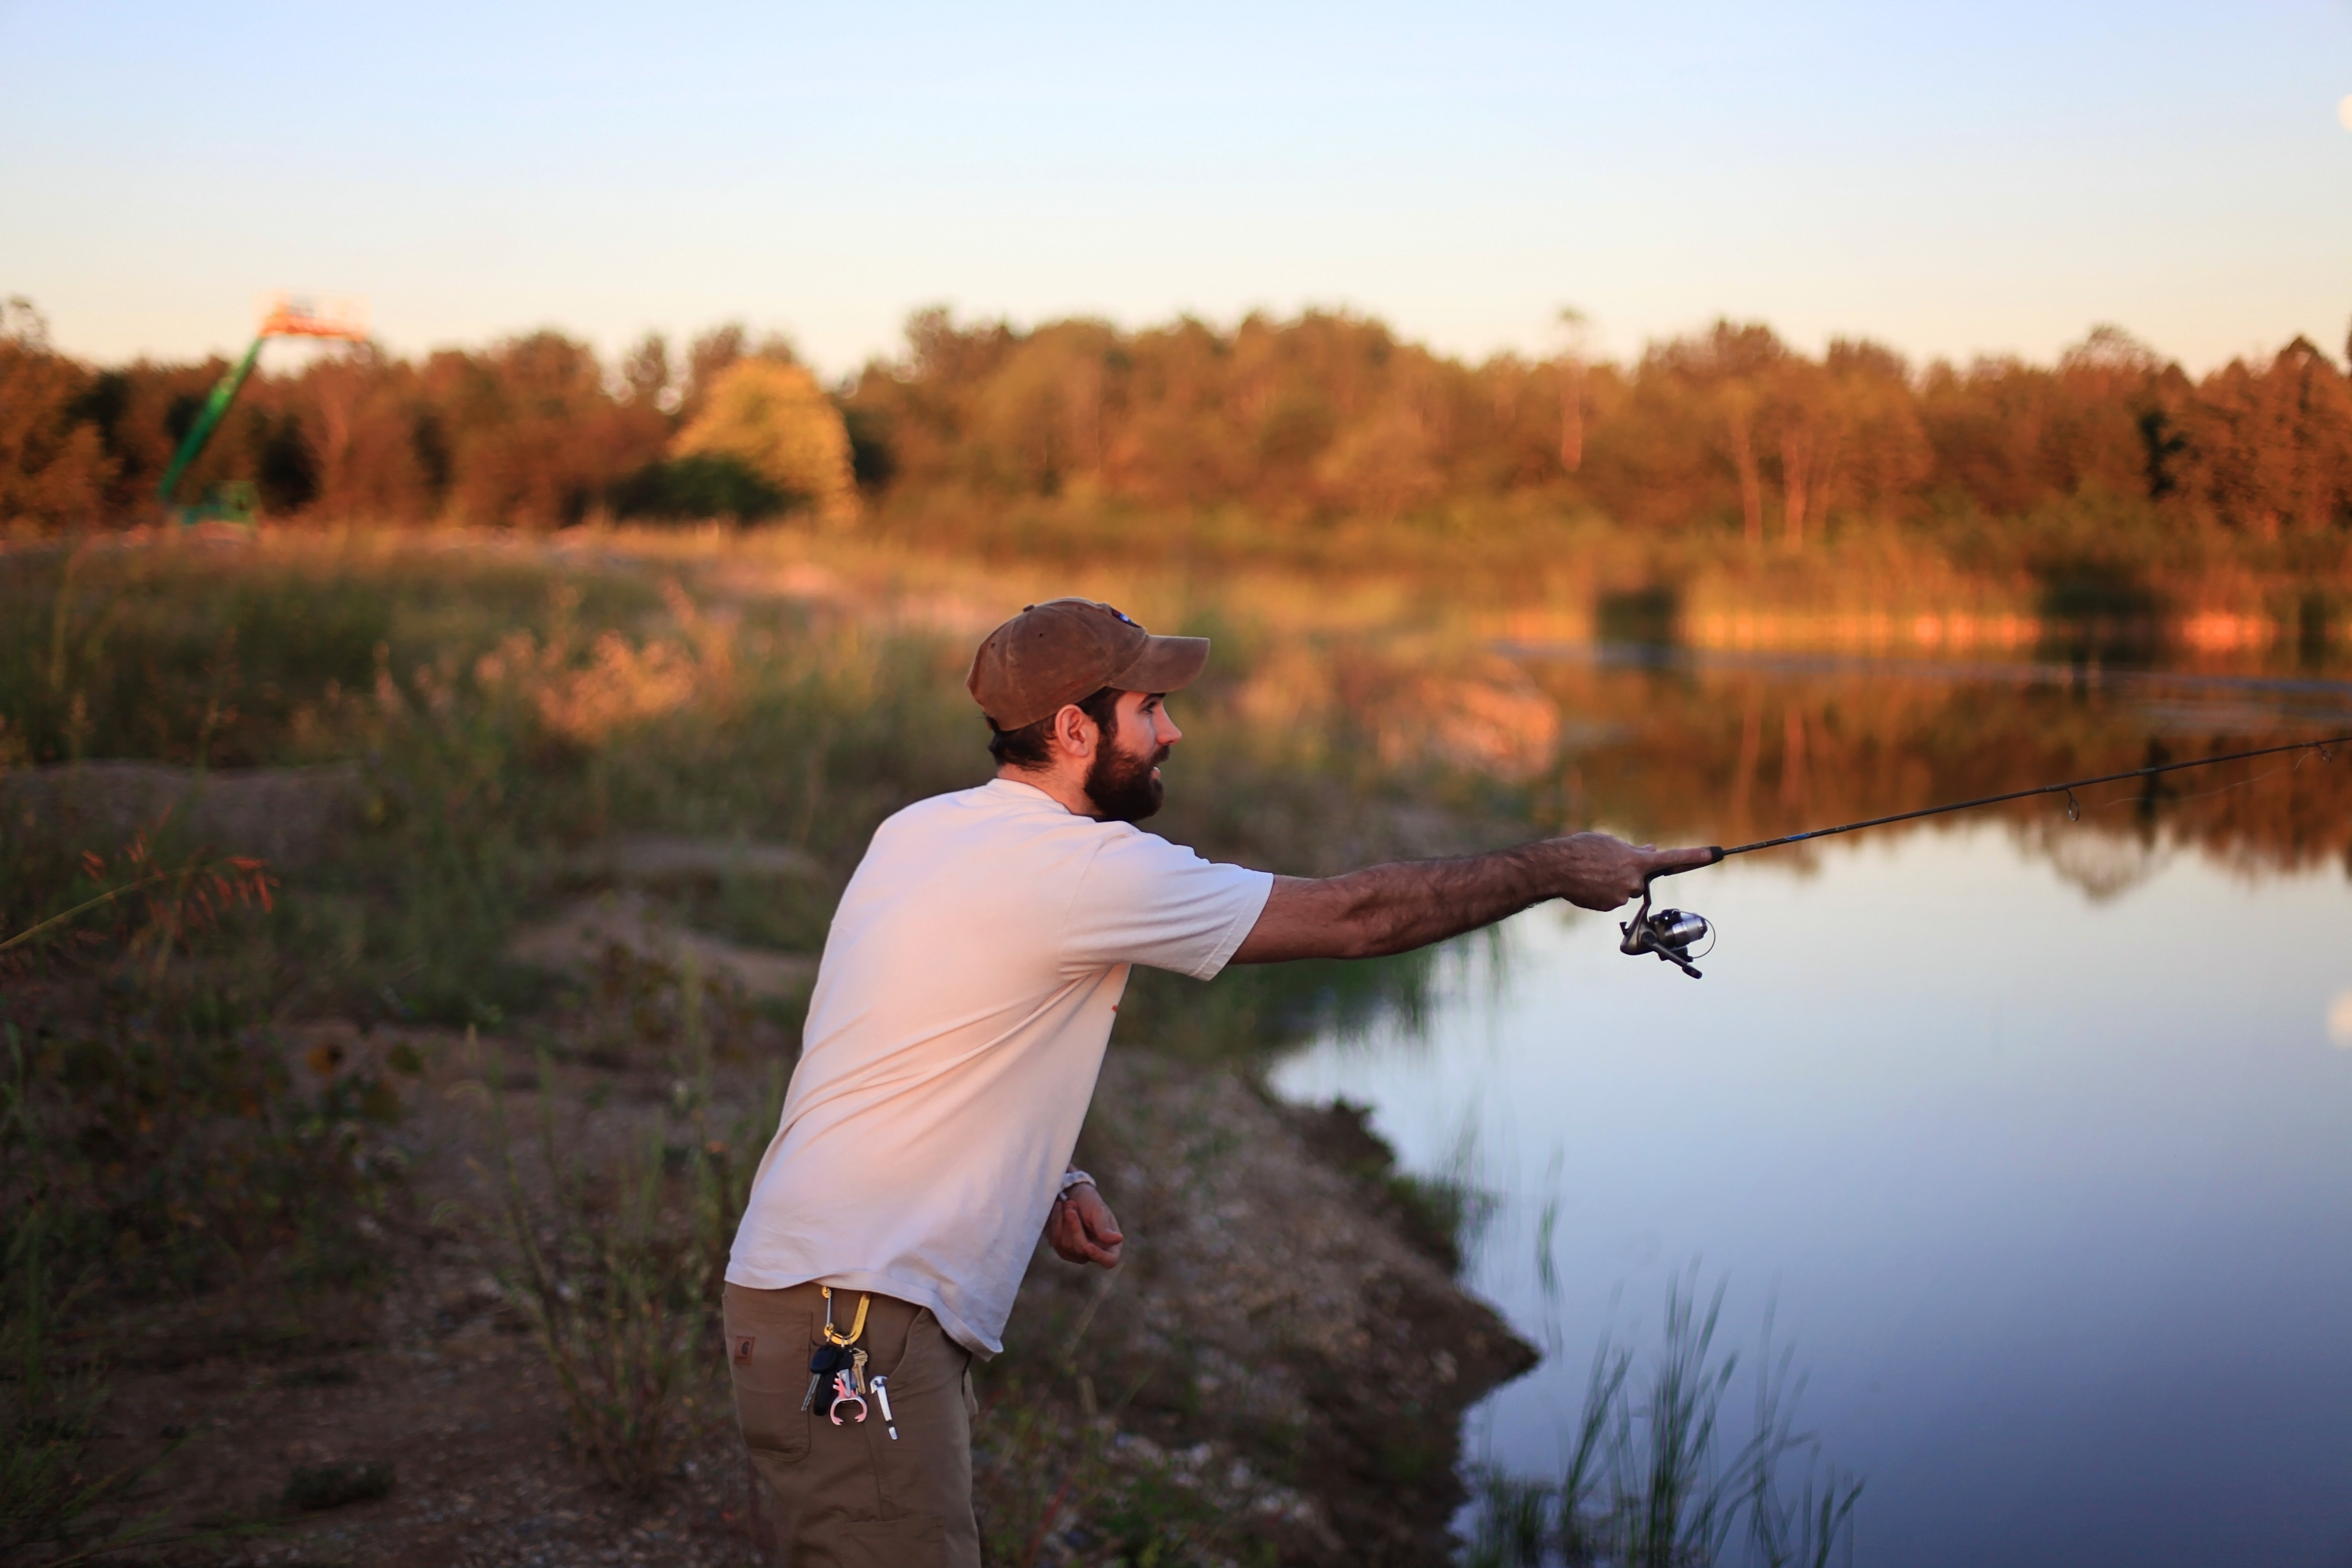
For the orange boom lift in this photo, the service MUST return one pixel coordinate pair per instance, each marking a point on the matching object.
(237, 501)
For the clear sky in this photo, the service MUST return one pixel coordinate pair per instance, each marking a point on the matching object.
(1949, 179)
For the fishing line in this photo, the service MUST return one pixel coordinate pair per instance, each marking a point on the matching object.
(1670, 934)
(2067, 787)
(2202, 793)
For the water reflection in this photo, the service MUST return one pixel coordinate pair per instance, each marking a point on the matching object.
(2044, 1159)
(1730, 747)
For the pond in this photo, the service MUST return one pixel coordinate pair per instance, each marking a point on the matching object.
(2032, 1137)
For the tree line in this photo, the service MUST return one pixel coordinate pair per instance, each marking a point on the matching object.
(1729, 430)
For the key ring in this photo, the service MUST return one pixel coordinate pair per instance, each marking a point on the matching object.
(843, 1395)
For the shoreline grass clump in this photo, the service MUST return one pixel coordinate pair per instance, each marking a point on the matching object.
(1651, 1480)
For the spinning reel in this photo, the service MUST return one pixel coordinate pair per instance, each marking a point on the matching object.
(1669, 933)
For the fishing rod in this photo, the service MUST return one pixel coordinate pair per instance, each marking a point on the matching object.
(1671, 933)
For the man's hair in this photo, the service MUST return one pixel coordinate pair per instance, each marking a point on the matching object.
(1030, 746)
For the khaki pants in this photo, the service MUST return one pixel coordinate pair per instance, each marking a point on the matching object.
(849, 1496)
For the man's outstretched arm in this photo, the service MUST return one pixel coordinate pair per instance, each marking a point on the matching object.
(1410, 904)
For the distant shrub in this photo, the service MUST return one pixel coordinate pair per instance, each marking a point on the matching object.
(770, 416)
(701, 485)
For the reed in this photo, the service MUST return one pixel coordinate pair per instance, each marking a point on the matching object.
(1649, 1481)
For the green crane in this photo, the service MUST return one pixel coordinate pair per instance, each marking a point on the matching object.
(235, 500)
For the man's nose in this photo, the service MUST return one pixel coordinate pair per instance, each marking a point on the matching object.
(1165, 729)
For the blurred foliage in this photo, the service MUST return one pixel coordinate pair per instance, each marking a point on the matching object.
(1078, 435)
(704, 485)
(161, 1140)
(1330, 415)
(771, 417)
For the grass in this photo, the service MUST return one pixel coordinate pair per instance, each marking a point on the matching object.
(150, 1153)
(48, 1415)
(496, 713)
(1649, 1482)
(616, 1269)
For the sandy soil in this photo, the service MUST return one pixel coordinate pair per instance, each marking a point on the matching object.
(1273, 1338)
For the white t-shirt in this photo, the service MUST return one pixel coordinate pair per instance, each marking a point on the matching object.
(953, 1040)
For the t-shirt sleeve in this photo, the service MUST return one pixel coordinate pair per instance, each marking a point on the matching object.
(1145, 900)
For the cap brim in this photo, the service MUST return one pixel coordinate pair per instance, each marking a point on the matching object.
(1166, 664)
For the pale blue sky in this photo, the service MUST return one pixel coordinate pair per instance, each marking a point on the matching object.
(1992, 176)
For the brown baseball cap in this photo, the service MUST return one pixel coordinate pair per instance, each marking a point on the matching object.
(1063, 649)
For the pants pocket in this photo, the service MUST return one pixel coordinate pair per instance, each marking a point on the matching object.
(916, 1540)
(926, 1360)
(767, 1360)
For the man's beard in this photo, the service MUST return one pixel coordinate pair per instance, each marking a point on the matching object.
(1121, 785)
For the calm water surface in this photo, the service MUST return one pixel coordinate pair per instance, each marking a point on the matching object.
(2051, 1188)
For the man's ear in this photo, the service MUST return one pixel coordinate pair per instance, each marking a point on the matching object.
(1075, 730)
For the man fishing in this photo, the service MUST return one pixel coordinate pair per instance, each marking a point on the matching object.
(960, 1013)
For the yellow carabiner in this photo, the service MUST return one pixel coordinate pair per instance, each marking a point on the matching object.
(856, 1329)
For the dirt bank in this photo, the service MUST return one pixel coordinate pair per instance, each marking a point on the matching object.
(1278, 1361)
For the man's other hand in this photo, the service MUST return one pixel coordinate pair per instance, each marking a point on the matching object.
(1082, 1228)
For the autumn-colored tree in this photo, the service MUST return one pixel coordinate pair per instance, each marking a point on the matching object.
(771, 415)
(1730, 431)
(533, 435)
(53, 465)
(2269, 450)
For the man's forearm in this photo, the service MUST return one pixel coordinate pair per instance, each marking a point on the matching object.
(1408, 904)
(1395, 908)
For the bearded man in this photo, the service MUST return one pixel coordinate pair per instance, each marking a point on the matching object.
(961, 1012)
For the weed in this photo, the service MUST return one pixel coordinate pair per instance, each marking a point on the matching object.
(152, 1119)
(154, 1142)
(47, 1418)
(1646, 1485)
(1060, 1483)
(617, 1274)
(612, 1294)
(173, 904)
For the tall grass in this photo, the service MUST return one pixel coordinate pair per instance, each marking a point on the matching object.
(1651, 1480)
(49, 1413)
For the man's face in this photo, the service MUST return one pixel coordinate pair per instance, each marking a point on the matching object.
(1123, 779)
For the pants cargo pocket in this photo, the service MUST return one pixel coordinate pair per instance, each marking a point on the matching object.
(912, 1542)
(767, 1358)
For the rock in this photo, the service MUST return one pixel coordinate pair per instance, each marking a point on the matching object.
(315, 1487)
(287, 816)
(653, 858)
(575, 940)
